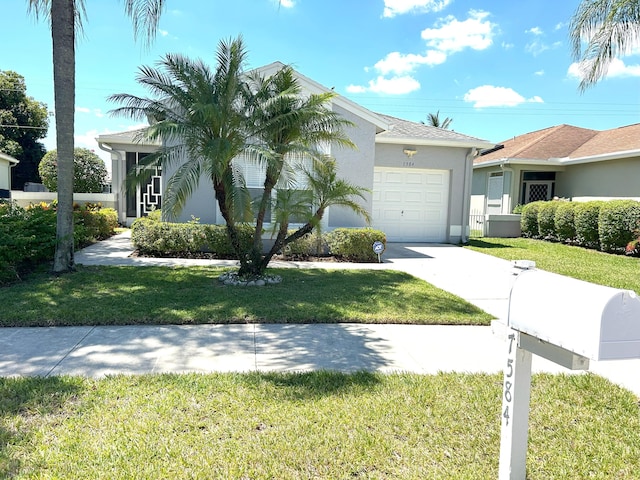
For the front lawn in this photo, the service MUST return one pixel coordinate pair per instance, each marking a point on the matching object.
(164, 295)
(322, 425)
(617, 271)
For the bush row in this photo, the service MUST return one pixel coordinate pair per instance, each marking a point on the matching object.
(153, 237)
(612, 226)
(28, 235)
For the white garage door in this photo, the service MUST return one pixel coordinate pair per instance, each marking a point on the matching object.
(411, 205)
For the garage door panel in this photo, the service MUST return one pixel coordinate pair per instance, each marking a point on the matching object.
(411, 205)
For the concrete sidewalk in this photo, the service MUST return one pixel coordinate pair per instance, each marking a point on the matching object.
(480, 279)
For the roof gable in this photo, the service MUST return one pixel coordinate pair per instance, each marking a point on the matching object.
(316, 88)
(622, 139)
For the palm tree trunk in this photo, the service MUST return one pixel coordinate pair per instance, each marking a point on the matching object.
(63, 35)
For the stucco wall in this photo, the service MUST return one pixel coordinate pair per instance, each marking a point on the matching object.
(354, 166)
(609, 179)
(5, 175)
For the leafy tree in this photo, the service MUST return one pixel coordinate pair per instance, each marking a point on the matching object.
(23, 121)
(66, 17)
(89, 171)
(209, 120)
(434, 121)
(610, 28)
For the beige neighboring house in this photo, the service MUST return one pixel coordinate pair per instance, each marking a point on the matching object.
(6, 162)
(562, 161)
(419, 176)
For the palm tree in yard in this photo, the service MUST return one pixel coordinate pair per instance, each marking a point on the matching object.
(66, 17)
(433, 119)
(212, 121)
(610, 29)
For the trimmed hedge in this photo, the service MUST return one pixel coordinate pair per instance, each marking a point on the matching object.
(565, 227)
(354, 244)
(586, 221)
(153, 237)
(608, 226)
(617, 224)
(547, 219)
(529, 220)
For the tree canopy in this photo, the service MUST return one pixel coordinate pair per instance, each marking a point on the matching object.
(89, 171)
(23, 121)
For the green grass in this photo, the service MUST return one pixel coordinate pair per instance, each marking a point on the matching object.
(615, 271)
(315, 425)
(164, 295)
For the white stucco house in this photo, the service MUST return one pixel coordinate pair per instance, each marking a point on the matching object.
(6, 163)
(419, 176)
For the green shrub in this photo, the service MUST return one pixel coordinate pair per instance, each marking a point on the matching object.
(27, 237)
(547, 219)
(617, 224)
(585, 218)
(529, 220)
(354, 244)
(565, 226)
(311, 244)
(92, 225)
(153, 237)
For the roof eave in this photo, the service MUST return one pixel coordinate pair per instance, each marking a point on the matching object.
(9, 158)
(602, 157)
(470, 143)
(519, 161)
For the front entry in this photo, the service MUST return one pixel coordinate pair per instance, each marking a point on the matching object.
(147, 197)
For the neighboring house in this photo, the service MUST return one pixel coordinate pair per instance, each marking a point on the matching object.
(419, 176)
(6, 162)
(562, 161)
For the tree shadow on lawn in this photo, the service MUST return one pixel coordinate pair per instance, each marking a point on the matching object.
(482, 244)
(29, 397)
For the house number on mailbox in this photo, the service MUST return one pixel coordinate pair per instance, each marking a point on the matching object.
(507, 393)
(408, 164)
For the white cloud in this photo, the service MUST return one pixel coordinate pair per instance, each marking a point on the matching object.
(617, 68)
(452, 35)
(83, 110)
(96, 111)
(287, 3)
(399, 63)
(535, 31)
(390, 86)
(163, 33)
(539, 73)
(507, 46)
(491, 96)
(400, 7)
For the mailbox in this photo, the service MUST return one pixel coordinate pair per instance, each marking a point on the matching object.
(597, 322)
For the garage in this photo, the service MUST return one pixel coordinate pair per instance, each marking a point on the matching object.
(411, 205)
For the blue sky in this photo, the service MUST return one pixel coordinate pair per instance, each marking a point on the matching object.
(497, 68)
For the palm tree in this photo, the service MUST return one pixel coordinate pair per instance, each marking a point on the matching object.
(208, 120)
(67, 18)
(434, 121)
(611, 29)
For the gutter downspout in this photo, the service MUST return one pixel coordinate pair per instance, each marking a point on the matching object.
(466, 209)
(122, 214)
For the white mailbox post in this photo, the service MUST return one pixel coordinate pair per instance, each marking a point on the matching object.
(566, 321)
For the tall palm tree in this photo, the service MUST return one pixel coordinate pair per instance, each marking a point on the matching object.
(66, 17)
(610, 28)
(207, 120)
(434, 121)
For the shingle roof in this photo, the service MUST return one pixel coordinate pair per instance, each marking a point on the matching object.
(566, 142)
(404, 129)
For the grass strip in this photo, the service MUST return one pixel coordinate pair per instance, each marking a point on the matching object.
(193, 295)
(309, 425)
(617, 271)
